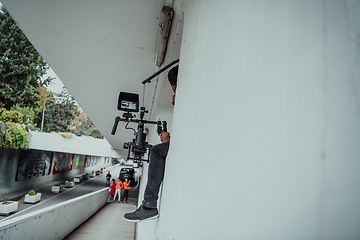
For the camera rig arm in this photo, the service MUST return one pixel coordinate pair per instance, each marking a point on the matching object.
(118, 119)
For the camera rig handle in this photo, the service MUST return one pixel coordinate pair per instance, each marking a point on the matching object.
(117, 119)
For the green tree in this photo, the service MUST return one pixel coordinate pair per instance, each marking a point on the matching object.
(59, 114)
(28, 115)
(21, 66)
(43, 100)
(83, 126)
(13, 133)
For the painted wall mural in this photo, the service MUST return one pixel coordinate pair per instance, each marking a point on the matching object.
(95, 160)
(62, 162)
(88, 161)
(37, 163)
(78, 161)
(33, 163)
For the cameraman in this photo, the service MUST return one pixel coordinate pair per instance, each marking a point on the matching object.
(148, 210)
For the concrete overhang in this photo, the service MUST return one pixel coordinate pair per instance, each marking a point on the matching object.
(99, 48)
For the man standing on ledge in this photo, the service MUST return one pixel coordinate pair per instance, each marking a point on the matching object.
(148, 210)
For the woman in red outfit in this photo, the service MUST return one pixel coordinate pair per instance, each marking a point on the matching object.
(112, 190)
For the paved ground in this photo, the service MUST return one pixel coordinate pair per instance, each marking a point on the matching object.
(108, 223)
(111, 213)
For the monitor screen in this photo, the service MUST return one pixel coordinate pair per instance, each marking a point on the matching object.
(128, 102)
(128, 105)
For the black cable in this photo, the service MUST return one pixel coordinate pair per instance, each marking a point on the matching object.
(130, 127)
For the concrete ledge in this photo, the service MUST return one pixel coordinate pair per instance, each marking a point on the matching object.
(60, 219)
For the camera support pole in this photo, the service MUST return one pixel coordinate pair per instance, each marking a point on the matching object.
(160, 71)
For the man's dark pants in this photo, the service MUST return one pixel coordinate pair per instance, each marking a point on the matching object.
(155, 174)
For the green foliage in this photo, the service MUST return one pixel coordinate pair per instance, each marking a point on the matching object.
(11, 116)
(28, 115)
(32, 193)
(60, 112)
(83, 126)
(13, 135)
(21, 66)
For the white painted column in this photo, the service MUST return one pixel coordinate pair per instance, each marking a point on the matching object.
(266, 127)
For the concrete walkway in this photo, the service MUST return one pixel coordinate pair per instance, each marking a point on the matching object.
(108, 223)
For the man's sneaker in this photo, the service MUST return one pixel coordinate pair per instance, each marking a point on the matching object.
(142, 214)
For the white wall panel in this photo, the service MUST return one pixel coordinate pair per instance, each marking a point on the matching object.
(266, 129)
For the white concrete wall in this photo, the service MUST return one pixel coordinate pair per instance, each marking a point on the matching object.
(54, 222)
(9, 159)
(266, 127)
(76, 145)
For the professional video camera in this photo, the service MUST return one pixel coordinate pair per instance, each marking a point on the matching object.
(129, 102)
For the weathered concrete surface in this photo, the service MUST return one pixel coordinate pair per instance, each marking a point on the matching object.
(108, 223)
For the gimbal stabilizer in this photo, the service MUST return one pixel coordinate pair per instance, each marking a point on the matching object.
(129, 102)
(138, 146)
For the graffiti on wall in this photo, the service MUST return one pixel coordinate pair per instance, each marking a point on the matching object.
(36, 163)
(33, 163)
(78, 161)
(88, 161)
(95, 160)
(62, 162)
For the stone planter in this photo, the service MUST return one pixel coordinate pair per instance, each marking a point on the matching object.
(57, 188)
(92, 175)
(101, 171)
(69, 184)
(97, 172)
(77, 180)
(32, 198)
(9, 207)
(85, 177)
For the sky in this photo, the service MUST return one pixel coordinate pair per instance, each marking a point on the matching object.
(56, 85)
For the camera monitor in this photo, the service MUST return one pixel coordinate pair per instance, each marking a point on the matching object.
(128, 102)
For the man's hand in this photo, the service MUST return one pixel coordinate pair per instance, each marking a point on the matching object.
(165, 137)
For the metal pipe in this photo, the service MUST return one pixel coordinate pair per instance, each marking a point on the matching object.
(160, 71)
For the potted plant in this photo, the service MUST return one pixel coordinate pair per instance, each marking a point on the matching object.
(69, 182)
(56, 188)
(92, 174)
(7, 207)
(32, 197)
(101, 170)
(76, 179)
(85, 176)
